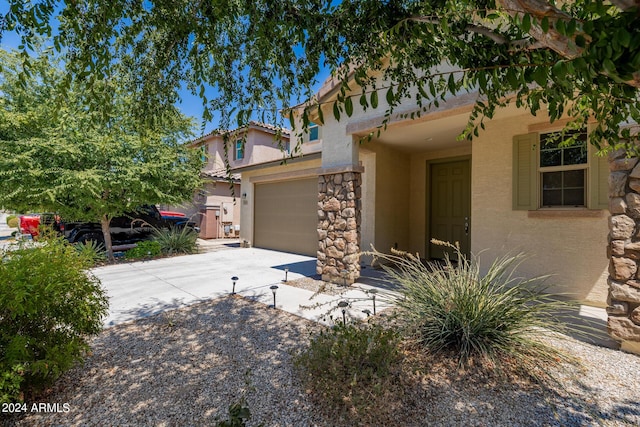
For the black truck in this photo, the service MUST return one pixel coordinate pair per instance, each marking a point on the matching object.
(129, 228)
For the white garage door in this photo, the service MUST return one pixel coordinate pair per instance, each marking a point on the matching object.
(285, 216)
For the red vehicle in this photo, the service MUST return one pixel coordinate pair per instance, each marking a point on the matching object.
(29, 224)
(172, 213)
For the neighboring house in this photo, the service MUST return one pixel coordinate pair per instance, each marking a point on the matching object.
(217, 205)
(510, 190)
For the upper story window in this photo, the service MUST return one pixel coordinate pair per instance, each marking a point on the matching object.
(239, 151)
(314, 132)
(203, 153)
(563, 170)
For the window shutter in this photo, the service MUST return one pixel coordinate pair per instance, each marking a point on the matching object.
(525, 171)
(598, 180)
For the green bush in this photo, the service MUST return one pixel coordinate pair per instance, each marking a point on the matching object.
(13, 221)
(145, 249)
(93, 251)
(177, 240)
(49, 304)
(350, 366)
(495, 318)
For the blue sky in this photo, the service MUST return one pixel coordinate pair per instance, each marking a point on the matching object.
(190, 105)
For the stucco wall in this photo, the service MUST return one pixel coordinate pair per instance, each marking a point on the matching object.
(571, 248)
(291, 170)
(392, 172)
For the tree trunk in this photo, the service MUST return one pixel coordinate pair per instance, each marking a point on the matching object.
(105, 223)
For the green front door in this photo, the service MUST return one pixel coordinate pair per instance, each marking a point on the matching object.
(449, 206)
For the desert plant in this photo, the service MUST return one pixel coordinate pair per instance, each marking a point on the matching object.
(350, 366)
(495, 317)
(145, 249)
(13, 221)
(239, 414)
(49, 304)
(93, 251)
(177, 240)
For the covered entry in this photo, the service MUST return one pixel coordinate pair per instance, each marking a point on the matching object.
(286, 216)
(449, 206)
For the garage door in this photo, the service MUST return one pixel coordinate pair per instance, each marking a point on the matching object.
(285, 216)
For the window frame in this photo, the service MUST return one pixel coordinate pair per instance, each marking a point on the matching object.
(238, 152)
(314, 127)
(541, 170)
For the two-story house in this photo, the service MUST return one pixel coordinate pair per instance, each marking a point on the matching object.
(217, 205)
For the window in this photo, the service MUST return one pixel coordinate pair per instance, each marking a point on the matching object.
(563, 170)
(314, 132)
(203, 153)
(239, 153)
(547, 175)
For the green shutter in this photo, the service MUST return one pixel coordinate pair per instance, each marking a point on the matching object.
(598, 180)
(525, 186)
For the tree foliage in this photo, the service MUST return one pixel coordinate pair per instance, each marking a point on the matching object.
(57, 156)
(577, 58)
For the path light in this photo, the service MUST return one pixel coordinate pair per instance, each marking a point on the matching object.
(286, 272)
(234, 279)
(367, 312)
(345, 275)
(373, 293)
(274, 288)
(343, 305)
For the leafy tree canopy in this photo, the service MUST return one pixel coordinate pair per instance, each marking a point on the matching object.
(579, 58)
(57, 156)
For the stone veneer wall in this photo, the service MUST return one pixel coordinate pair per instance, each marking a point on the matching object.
(339, 207)
(624, 248)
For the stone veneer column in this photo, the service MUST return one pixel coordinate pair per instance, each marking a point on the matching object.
(624, 250)
(339, 194)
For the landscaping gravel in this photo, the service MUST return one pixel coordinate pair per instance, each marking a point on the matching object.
(185, 367)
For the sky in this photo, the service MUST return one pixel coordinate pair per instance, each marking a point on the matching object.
(190, 105)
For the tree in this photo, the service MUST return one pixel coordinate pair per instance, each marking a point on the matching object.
(578, 58)
(57, 156)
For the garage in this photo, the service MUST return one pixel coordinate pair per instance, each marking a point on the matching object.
(285, 216)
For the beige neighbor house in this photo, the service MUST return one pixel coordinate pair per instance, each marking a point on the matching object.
(217, 205)
(510, 190)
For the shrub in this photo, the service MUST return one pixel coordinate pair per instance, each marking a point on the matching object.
(13, 221)
(177, 240)
(350, 366)
(147, 248)
(49, 304)
(494, 318)
(93, 251)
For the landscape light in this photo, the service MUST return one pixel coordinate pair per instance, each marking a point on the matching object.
(274, 288)
(343, 305)
(234, 279)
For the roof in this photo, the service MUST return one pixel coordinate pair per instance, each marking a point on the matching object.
(221, 175)
(251, 125)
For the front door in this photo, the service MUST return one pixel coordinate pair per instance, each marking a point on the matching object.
(450, 207)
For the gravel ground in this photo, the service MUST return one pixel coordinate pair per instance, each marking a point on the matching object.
(185, 367)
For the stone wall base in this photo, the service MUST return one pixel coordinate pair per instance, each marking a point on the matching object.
(339, 220)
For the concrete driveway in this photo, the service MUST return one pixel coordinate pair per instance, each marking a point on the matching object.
(143, 288)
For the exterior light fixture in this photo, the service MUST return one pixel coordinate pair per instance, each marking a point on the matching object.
(286, 273)
(274, 288)
(343, 306)
(367, 312)
(373, 293)
(234, 279)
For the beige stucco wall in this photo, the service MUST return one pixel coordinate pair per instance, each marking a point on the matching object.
(391, 213)
(572, 249)
(291, 170)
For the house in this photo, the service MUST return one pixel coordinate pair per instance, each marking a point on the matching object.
(510, 190)
(217, 204)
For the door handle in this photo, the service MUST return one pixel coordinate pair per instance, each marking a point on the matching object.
(466, 225)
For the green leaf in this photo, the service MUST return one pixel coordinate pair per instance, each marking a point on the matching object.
(390, 96)
(348, 106)
(609, 67)
(336, 111)
(526, 23)
(544, 24)
(374, 99)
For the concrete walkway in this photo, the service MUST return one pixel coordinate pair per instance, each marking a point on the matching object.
(143, 288)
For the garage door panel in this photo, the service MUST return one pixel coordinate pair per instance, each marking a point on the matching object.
(285, 216)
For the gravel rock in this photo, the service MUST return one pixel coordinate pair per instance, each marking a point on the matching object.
(185, 367)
